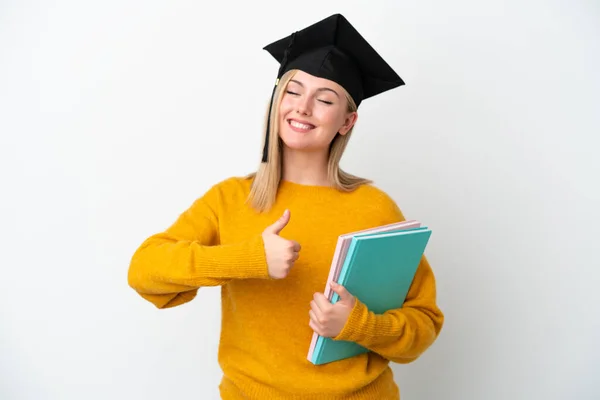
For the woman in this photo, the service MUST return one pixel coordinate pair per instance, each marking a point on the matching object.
(267, 239)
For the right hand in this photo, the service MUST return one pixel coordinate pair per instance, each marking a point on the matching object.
(281, 253)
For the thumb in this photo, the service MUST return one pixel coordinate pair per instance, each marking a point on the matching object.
(280, 223)
(345, 296)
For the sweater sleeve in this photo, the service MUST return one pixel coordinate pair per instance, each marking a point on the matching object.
(169, 267)
(400, 335)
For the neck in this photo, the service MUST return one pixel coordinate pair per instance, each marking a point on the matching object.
(305, 168)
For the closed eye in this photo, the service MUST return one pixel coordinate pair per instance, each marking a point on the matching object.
(297, 94)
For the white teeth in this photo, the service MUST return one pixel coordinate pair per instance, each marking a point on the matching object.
(299, 125)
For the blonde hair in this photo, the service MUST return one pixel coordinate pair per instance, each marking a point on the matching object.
(267, 178)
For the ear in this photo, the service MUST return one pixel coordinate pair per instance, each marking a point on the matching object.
(348, 123)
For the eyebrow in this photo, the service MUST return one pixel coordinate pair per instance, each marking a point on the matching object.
(319, 89)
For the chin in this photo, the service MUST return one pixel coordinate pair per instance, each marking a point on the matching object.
(295, 140)
(301, 146)
(296, 146)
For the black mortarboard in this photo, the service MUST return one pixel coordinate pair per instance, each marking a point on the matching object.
(334, 50)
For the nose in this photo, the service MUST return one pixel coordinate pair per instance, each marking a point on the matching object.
(303, 106)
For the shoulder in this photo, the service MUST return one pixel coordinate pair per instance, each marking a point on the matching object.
(374, 192)
(230, 189)
(217, 198)
(371, 193)
(379, 202)
(233, 183)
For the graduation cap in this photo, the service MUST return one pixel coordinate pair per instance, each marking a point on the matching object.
(333, 49)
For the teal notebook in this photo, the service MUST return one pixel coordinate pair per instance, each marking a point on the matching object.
(378, 269)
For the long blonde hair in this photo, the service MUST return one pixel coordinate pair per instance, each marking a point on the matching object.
(267, 178)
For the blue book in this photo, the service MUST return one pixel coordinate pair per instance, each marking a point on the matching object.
(378, 269)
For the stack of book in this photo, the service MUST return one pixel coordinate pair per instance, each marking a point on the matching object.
(377, 266)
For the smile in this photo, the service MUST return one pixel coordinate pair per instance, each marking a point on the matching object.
(300, 126)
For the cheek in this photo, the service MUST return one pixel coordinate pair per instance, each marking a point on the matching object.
(329, 116)
(285, 107)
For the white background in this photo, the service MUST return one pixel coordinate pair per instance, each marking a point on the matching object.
(116, 115)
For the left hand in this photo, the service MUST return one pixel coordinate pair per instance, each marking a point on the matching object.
(328, 319)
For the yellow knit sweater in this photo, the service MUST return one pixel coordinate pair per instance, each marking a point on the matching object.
(265, 335)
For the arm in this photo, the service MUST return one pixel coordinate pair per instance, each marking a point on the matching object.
(400, 335)
(169, 267)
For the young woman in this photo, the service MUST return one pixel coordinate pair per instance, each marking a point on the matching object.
(267, 239)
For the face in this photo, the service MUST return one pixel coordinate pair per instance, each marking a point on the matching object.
(312, 111)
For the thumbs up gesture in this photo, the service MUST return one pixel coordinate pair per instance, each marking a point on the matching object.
(281, 253)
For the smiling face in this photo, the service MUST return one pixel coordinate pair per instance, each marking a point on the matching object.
(312, 111)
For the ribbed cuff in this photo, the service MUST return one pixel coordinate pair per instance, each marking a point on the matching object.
(353, 330)
(236, 261)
